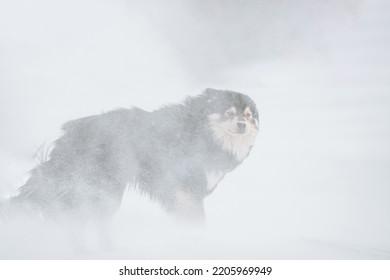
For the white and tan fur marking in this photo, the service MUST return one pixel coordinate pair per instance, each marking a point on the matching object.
(213, 178)
(237, 144)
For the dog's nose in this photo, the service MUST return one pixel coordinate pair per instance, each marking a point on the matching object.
(241, 126)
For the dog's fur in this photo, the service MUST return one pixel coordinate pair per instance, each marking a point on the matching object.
(176, 155)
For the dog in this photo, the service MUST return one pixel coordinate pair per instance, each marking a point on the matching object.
(176, 155)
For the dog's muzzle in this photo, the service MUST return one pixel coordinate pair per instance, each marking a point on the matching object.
(241, 127)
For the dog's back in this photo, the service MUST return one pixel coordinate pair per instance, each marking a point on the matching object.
(88, 169)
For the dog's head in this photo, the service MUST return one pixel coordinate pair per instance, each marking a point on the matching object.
(233, 120)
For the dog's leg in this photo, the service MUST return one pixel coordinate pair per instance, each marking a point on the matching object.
(77, 234)
(189, 208)
(104, 233)
(109, 202)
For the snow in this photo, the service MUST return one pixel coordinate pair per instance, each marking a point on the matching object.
(316, 185)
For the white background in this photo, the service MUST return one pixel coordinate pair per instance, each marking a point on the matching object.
(316, 185)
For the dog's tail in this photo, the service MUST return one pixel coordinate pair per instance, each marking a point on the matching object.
(22, 205)
(17, 208)
(27, 203)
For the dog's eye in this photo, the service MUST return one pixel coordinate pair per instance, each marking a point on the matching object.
(248, 115)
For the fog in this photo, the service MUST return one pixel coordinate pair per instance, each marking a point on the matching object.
(316, 184)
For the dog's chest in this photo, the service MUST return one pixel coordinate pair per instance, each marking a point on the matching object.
(213, 177)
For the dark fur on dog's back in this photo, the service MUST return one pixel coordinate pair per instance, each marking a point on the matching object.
(176, 155)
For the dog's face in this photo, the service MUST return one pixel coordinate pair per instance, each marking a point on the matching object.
(234, 121)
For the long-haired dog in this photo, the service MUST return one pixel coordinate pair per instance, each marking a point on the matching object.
(176, 155)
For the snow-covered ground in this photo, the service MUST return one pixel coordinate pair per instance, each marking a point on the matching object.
(316, 185)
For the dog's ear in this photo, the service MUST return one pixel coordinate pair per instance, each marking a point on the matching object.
(211, 94)
(205, 102)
